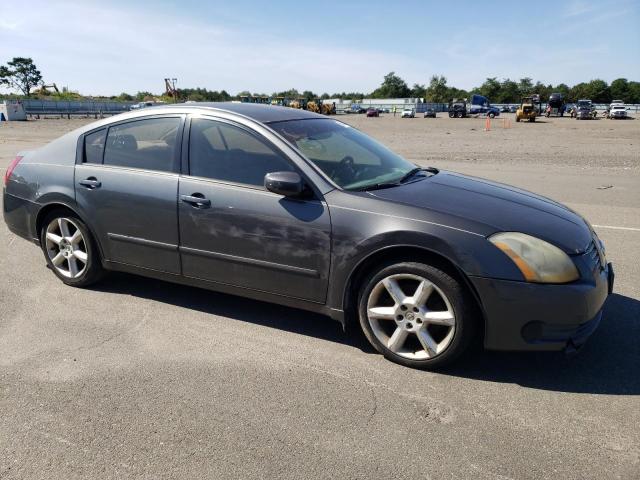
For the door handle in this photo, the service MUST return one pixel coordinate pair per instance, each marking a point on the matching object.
(196, 200)
(90, 183)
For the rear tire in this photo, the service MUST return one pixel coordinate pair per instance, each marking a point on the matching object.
(70, 250)
(416, 315)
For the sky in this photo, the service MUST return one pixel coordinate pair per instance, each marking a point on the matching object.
(108, 47)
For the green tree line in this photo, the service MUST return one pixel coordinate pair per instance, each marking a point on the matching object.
(20, 74)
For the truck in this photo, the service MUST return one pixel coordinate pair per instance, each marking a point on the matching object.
(556, 105)
(479, 105)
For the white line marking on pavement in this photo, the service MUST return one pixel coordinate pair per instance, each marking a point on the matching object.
(630, 229)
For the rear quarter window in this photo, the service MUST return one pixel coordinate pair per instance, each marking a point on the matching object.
(94, 146)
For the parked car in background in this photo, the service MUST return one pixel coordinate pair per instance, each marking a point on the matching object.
(408, 113)
(430, 113)
(505, 109)
(373, 112)
(585, 110)
(289, 206)
(617, 110)
(138, 106)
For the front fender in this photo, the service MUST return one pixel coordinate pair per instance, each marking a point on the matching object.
(358, 234)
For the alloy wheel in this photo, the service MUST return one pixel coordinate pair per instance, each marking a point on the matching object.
(66, 247)
(411, 316)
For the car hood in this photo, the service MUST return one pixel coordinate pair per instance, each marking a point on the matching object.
(499, 207)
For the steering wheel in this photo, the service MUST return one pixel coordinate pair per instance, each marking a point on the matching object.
(345, 168)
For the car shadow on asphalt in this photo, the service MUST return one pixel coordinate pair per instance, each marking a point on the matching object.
(234, 307)
(608, 364)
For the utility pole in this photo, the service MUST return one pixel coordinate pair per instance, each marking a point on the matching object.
(170, 87)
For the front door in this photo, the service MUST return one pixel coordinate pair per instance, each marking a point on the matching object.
(235, 232)
(127, 185)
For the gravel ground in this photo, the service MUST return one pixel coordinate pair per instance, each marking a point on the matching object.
(137, 378)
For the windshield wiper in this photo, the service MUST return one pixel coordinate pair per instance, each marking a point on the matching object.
(409, 174)
(377, 186)
(400, 181)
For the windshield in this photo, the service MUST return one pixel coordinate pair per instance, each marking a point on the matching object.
(353, 160)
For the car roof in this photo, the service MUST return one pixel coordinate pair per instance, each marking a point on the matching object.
(258, 112)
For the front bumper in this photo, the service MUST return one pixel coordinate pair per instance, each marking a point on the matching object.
(528, 316)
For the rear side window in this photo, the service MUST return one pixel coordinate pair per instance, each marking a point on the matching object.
(94, 146)
(224, 152)
(148, 144)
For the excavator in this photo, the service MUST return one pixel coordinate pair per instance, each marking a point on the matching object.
(299, 103)
(318, 106)
(43, 90)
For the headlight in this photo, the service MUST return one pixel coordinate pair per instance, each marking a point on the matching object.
(539, 261)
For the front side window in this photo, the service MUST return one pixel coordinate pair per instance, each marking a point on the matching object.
(353, 160)
(148, 144)
(94, 146)
(221, 151)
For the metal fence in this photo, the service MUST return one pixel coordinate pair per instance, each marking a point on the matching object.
(68, 108)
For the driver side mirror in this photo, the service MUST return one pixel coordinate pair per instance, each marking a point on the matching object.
(289, 184)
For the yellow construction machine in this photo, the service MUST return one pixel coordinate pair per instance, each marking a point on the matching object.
(526, 110)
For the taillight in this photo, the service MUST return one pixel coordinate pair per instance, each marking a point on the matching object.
(10, 168)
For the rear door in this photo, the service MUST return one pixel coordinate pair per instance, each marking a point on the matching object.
(234, 231)
(126, 182)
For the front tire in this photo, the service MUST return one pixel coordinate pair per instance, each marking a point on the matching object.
(416, 315)
(70, 250)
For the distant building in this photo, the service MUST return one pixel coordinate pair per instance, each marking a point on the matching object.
(12, 110)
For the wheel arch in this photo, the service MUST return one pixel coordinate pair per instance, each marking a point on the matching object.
(397, 254)
(60, 204)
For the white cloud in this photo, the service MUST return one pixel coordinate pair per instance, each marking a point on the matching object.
(103, 50)
(577, 8)
(97, 48)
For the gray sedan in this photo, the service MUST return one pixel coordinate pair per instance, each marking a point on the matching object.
(288, 206)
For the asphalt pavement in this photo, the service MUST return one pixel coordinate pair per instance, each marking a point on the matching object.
(137, 378)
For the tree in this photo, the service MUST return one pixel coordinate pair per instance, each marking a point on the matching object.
(490, 89)
(634, 92)
(437, 91)
(508, 92)
(563, 89)
(143, 96)
(418, 91)
(525, 86)
(620, 89)
(392, 87)
(598, 91)
(309, 95)
(21, 74)
(578, 91)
